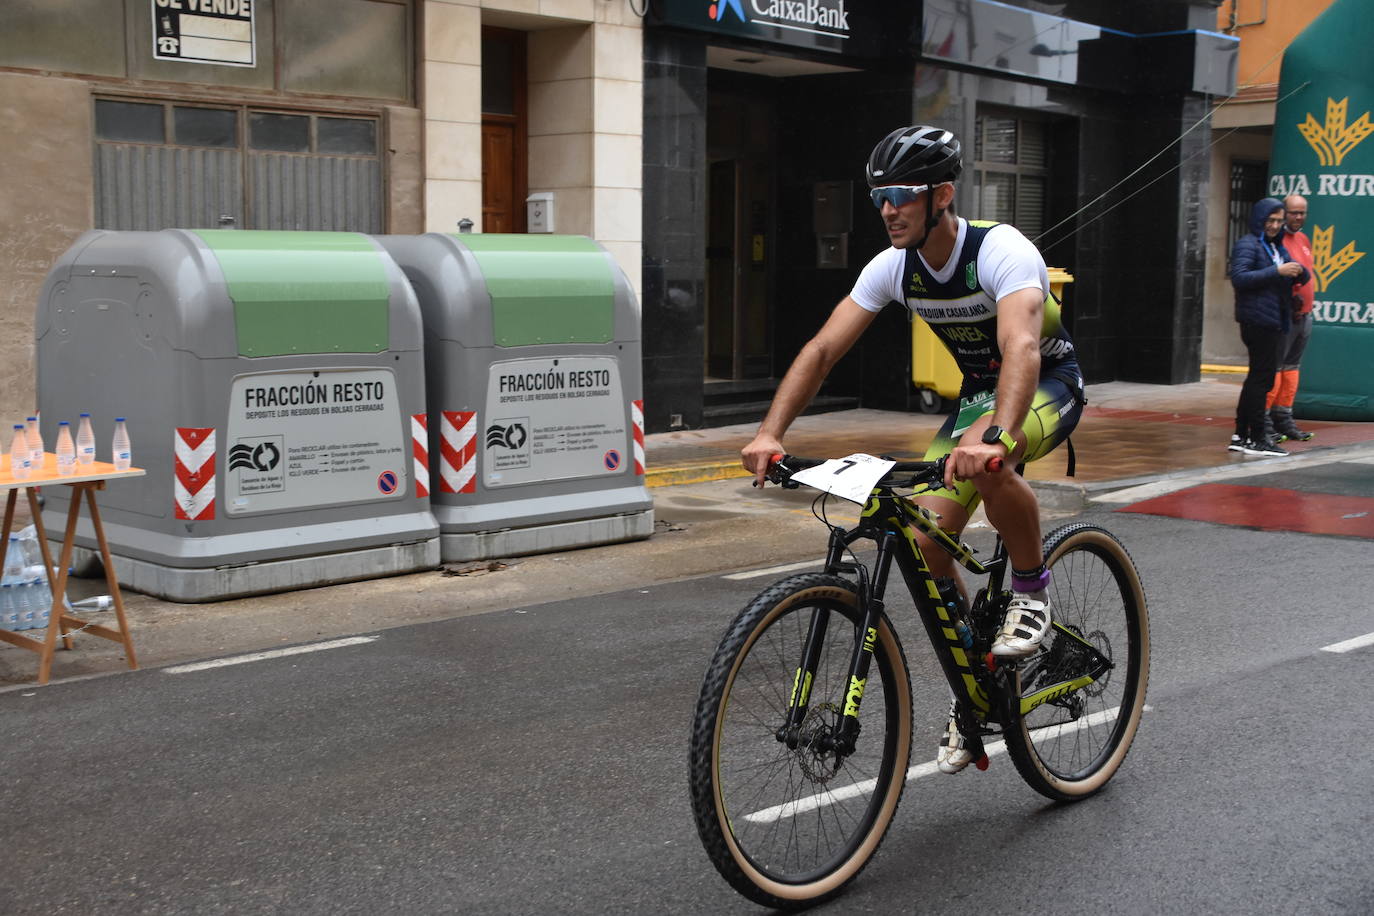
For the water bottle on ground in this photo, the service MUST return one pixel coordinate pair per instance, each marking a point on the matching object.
(35, 439)
(32, 570)
(65, 449)
(40, 600)
(14, 561)
(21, 459)
(8, 620)
(85, 441)
(23, 605)
(123, 455)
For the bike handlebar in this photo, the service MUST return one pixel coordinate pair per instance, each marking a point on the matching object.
(782, 467)
(902, 474)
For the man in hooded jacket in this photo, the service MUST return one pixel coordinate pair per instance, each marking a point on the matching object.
(1263, 274)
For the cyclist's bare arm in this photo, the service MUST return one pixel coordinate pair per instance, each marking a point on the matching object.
(844, 326)
(1019, 317)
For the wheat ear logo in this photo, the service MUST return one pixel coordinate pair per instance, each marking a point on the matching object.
(1335, 138)
(1326, 265)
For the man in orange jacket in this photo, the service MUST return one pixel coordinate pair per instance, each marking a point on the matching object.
(1279, 402)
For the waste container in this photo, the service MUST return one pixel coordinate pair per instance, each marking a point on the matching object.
(269, 380)
(532, 355)
(934, 372)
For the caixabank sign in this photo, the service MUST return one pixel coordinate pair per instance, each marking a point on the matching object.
(1324, 151)
(849, 27)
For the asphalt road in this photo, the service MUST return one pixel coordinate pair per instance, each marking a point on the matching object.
(533, 760)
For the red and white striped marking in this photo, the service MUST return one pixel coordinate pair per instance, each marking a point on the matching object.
(419, 446)
(458, 448)
(194, 483)
(637, 418)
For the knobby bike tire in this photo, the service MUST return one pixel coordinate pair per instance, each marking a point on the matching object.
(788, 828)
(1069, 749)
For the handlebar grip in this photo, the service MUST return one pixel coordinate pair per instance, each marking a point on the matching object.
(994, 465)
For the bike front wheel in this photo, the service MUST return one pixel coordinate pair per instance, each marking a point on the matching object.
(1069, 745)
(789, 822)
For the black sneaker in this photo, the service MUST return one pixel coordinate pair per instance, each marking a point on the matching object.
(1297, 435)
(1267, 447)
(1237, 444)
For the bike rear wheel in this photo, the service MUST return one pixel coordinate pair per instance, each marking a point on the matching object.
(1068, 747)
(788, 827)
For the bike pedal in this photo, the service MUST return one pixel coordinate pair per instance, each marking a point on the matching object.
(982, 762)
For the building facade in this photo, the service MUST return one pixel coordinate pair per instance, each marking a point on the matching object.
(377, 116)
(1083, 124)
(1242, 135)
(715, 149)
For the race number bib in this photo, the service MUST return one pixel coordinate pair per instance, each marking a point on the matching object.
(850, 478)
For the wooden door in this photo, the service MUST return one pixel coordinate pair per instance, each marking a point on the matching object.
(504, 169)
(502, 203)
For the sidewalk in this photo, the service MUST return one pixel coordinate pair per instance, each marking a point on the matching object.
(1130, 432)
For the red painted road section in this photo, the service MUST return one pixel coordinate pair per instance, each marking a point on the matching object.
(1267, 508)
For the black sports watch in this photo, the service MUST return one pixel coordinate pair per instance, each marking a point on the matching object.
(995, 433)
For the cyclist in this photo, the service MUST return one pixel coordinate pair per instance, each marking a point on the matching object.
(984, 290)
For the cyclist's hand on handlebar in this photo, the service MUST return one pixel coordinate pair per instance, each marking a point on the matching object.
(968, 461)
(759, 454)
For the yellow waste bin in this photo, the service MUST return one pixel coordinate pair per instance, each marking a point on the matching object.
(933, 371)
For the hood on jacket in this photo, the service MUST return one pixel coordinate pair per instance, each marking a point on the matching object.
(1261, 211)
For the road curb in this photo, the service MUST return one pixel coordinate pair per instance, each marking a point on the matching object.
(673, 475)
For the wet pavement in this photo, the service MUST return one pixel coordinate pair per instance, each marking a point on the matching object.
(1129, 432)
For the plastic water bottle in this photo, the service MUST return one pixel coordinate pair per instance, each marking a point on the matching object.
(21, 459)
(14, 561)
(23, 605)
(40, 601)
(85, 440)
(123, 455)
(8, 620)
(66, 449)
(35, 439)
(31, 568)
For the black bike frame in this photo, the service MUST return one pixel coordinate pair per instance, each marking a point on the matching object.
(891, 521)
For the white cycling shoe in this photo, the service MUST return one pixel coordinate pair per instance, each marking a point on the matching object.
(1025, 626)
(952, 755)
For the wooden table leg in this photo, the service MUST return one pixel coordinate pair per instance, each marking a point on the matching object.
(9, 524)
(58, 593)
(110, 578)
(55, 617)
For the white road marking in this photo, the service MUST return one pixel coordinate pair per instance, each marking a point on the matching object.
(1359, 642)
(773, 570)
(273, 653)
(992, 749)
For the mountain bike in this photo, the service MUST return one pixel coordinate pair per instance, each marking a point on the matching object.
(801, 741)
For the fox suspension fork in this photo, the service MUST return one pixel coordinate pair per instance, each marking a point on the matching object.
(846, 735)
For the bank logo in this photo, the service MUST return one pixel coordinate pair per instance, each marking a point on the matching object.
(819, 17)
(1335, 138)
(917, 284)
(1325, 265)
(512, 437)
(717, 10)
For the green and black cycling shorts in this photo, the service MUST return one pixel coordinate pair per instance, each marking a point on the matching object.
(1054, 412)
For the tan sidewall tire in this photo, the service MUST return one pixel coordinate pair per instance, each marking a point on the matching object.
(888, 645)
